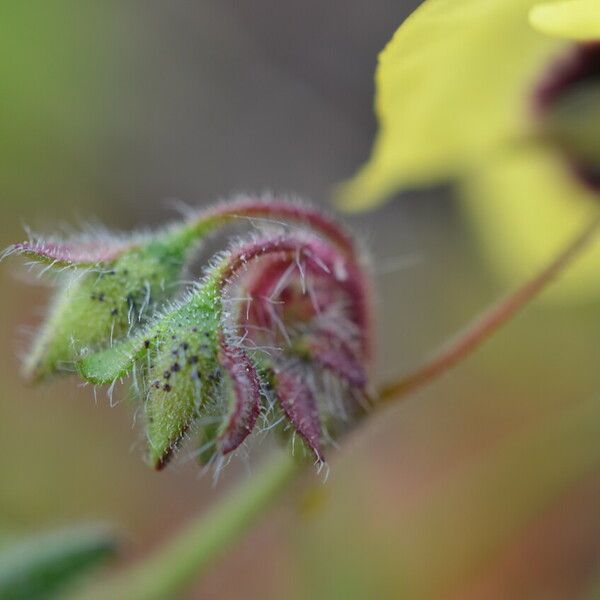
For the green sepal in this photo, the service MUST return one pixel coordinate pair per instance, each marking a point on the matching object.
(106, 366)
(183, 371)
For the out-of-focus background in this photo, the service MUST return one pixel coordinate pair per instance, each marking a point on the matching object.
(485, 485)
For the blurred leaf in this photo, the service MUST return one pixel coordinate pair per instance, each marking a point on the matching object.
(40, 566)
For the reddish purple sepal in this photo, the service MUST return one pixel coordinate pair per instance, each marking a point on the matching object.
(339, 357)
(70, 253)
(246, 407)
(299, 405)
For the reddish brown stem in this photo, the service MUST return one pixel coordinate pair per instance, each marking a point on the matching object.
(273, 210)
(483, 326)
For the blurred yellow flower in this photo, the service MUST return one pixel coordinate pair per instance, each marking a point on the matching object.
(468, 90)
(571, 19)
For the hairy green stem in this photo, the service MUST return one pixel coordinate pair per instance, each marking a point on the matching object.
(186, 558)
(180, 562)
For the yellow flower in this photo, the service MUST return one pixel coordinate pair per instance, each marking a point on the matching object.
(469, 90)
(571, 19)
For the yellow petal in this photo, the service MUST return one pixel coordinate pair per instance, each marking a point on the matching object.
(571, 19)
(452, 86)
(523, 210)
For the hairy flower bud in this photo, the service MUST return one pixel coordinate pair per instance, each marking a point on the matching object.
(277, 333)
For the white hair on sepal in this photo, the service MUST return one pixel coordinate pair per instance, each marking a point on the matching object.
(110, 393)
(219, 465)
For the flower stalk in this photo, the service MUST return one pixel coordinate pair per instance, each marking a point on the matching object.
(186, 558)
(487, 323)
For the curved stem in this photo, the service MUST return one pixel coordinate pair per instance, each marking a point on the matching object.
(272, 211)
(191, 552)
(177, 564)
(484, 325)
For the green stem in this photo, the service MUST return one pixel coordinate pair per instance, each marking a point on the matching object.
(178, 563)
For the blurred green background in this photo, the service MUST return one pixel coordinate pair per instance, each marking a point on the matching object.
(485, 485)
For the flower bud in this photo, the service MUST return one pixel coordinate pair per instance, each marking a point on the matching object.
(252, 341)
(277, 334)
